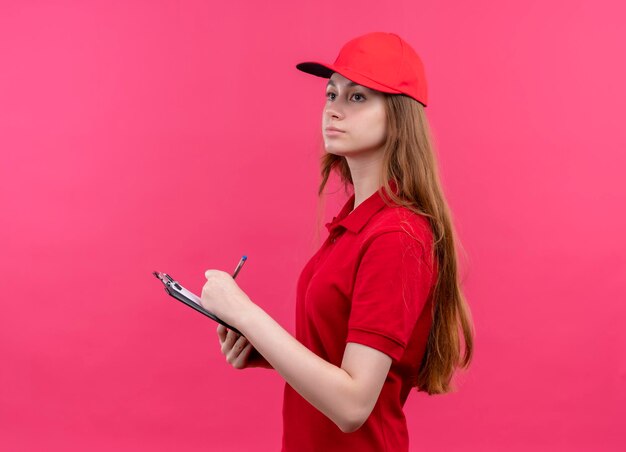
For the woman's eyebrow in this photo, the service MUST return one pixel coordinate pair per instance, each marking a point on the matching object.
(349, 84)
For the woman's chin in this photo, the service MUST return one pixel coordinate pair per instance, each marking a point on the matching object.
(337, 150)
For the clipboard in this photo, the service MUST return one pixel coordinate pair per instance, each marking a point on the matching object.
(176, 290)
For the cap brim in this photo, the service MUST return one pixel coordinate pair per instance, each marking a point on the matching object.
(315, 68)
(327, 70)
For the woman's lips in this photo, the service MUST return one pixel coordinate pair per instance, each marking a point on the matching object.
(332, 131)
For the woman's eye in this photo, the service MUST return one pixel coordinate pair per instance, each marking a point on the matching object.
(355, 94)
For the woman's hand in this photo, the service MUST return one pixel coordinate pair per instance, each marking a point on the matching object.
(238, 351)
(222, 297)
(236, 348)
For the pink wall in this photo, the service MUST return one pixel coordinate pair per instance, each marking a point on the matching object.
(177, 136)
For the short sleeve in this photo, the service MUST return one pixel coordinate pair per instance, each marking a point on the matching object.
(392, 284)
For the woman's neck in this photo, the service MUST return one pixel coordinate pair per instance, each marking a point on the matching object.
(365, 174)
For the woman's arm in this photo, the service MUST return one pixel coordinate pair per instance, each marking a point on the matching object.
(345, 399)
(346, 394)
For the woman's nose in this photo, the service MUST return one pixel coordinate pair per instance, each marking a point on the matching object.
(332, 112)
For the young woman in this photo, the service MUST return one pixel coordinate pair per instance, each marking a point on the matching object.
(379, 306)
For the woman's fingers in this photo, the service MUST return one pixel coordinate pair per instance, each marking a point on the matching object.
(221, 332)
(241, 362)
(235, 347)
(237, 356)
(234, 343)
(231, 338)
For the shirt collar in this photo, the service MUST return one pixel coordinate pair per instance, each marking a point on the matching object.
(354, 220)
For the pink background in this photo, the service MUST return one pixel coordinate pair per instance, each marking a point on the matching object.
(177, 136)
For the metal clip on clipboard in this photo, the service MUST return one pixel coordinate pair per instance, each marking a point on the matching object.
(177, 291)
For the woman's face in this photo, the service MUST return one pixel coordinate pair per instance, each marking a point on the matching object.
(359, 112)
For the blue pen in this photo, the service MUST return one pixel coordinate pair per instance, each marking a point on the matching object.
(239, 265)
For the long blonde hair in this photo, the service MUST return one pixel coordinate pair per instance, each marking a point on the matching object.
(410, 161)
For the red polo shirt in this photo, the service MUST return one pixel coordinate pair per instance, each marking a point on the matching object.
(370, 283)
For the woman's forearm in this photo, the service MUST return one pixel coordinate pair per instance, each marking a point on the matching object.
(327, 387)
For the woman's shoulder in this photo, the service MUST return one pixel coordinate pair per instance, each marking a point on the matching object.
(399, 219)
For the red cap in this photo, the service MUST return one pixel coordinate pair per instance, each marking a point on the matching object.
(379, 60)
